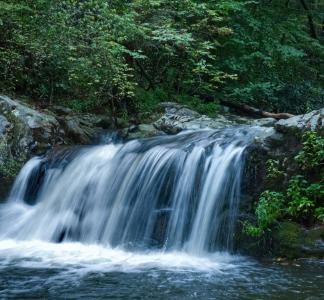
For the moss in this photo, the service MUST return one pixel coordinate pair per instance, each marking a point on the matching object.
(313, 235)
(287, 240)
(42, 148)
(10, 168)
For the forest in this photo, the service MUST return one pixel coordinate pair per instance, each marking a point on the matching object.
(127, 56)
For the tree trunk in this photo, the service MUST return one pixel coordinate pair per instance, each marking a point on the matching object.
(255, 111)
(249, 110)
(312, 28)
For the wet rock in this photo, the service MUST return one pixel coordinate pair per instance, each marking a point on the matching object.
(268, 122)
(265, 135)
(311, 121)
(179, 117)
(179, 109)
(313, 242)
(26, 131)
(30, 127)
(287, 240)
(77, 130)
(61, 111)
(141, 131)
(291, 240)
(5, 126)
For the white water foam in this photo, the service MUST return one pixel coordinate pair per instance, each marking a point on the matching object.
(83, 258)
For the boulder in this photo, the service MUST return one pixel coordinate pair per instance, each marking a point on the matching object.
(79, 129)
(141, 131)
(25, 131)
(61, 110)
(267, 122)
(31, 129)
(178, 117)
(311, 121)
(291, 240)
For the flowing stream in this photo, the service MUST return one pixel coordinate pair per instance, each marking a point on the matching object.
(151, 218)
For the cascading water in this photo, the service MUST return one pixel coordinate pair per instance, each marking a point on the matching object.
(146, 219)
(171, 192)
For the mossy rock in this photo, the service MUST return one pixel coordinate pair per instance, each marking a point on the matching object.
(314, 242)
(292, 241)
(142, 131)
(287, 240)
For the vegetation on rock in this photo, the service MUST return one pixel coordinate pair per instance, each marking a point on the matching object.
(301, 196)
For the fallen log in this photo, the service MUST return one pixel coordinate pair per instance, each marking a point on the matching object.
(255, 111)
(244, 108)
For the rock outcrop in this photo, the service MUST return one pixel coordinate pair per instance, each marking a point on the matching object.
(179, 117)
(25, 131)
(30, 129)
(311, 121)
(175, 118)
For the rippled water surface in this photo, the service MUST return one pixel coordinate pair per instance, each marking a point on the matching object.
(41, 270)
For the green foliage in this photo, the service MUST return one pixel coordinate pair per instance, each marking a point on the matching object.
(300, 194)
(303, 199)
(319, 213)
(270, 208)
(208, 108)
(97, 54)
(273, 169)
(252, 230)
(10, 168)
(276, 60)
(312, 154)
(150, 99)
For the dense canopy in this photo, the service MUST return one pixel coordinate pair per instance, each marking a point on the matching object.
(126, 56)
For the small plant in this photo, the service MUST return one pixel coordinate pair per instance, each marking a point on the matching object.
(299, 201)
(252, 230)
(319, 213)
(10, 168)
(210, 109)
(312, 154)
(269, 208)
(273, 169)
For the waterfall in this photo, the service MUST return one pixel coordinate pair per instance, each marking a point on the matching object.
(177, 192)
